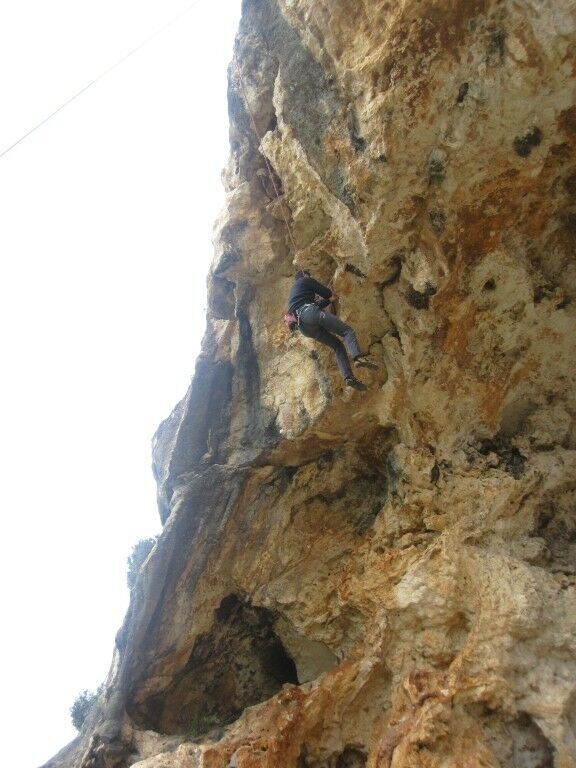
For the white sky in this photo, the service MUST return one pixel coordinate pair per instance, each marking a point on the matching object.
(105, 239)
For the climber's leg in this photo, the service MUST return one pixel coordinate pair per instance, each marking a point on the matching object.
(333, 324)
(335, 344)
(310, 326)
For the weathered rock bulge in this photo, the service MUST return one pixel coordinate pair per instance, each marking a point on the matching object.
(382, 579)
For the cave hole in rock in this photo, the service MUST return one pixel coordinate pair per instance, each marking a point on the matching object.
(352, 758)
(516, 742)
(240, 661)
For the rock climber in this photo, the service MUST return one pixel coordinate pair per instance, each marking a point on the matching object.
(317, 324)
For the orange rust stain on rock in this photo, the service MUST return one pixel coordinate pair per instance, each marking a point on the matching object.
(455, 341)
(427, 432)
(567, 121)
(215, 757)
(499, 209)
(447, 302)
(443, 25)
(416, 41)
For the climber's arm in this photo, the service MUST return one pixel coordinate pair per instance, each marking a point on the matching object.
(328, 296)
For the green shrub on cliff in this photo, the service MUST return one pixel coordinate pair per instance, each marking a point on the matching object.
(203, 724)
(140, 552)
(83, 704)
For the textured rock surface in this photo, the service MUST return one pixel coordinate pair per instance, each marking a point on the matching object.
(382, 579)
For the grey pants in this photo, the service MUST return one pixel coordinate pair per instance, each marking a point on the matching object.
(320, 325)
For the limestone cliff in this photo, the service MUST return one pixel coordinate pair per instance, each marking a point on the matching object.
(382, 579)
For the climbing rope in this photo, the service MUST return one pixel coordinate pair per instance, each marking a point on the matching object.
(268, 166)
(102, 75)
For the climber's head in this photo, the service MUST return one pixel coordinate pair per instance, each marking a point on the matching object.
(302, 273)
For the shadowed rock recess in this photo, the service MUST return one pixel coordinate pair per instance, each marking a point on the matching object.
(382, 579)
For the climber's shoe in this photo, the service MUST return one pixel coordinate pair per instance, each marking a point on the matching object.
(355, 384)
(361, 361)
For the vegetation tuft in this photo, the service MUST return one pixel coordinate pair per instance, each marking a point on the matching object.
(203, 724)
(140, 552)
(83, 703)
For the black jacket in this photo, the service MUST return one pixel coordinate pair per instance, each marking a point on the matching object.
(305, 290)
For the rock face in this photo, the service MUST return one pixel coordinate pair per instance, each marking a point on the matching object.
(383, 578)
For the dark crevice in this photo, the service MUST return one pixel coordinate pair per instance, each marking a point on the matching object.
(437, 220)
(416, 299)
(497, 46)
(260, 430)
(396, 268)
(354, 270)
(358, 142)
(511, 460)
(351, 757)
(523, 145)
(193, 436)
(462, 92)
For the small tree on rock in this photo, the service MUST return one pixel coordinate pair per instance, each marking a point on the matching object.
(83, 704)
(140, 552)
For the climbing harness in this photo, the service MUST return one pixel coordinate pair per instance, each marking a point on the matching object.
(292, 319)
(268, 166)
